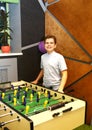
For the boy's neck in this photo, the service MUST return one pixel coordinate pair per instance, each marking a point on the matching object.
(50, 52)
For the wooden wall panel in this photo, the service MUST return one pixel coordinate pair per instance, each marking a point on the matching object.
(70, 22)
(76, 16)
(76, 70)
(83, 90)
(65, 44)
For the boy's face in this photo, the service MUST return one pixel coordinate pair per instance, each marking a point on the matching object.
(50, 45)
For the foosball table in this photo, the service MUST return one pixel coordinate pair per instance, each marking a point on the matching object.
(25, 106)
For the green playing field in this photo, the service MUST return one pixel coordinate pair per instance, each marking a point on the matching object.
(28, 101)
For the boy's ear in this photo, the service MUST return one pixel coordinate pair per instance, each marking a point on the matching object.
(55, 45)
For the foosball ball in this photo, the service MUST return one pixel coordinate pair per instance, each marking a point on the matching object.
(26, 106)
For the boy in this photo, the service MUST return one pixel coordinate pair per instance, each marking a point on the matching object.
(53, 67)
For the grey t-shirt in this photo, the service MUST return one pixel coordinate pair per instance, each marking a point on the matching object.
(52, 65)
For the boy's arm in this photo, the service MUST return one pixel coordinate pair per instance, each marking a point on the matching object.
(63, 80)
(40, 75)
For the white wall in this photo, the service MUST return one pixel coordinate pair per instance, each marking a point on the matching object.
(8, 69)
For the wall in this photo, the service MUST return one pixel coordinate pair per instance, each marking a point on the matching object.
(72, 26)
(8, 70)
(15, 24)
(8, 65)
(33, 29)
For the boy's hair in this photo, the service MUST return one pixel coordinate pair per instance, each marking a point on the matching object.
(50, 36)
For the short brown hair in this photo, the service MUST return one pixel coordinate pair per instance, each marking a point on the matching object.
(50, 36)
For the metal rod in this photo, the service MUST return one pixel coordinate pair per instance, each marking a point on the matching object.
(3, 108)
(10, 121)
(10, 113)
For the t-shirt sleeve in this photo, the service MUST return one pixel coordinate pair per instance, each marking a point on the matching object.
(62, 63)
(41, 64)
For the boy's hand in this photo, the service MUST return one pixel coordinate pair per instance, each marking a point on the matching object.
(34, 82)
(61, 91)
